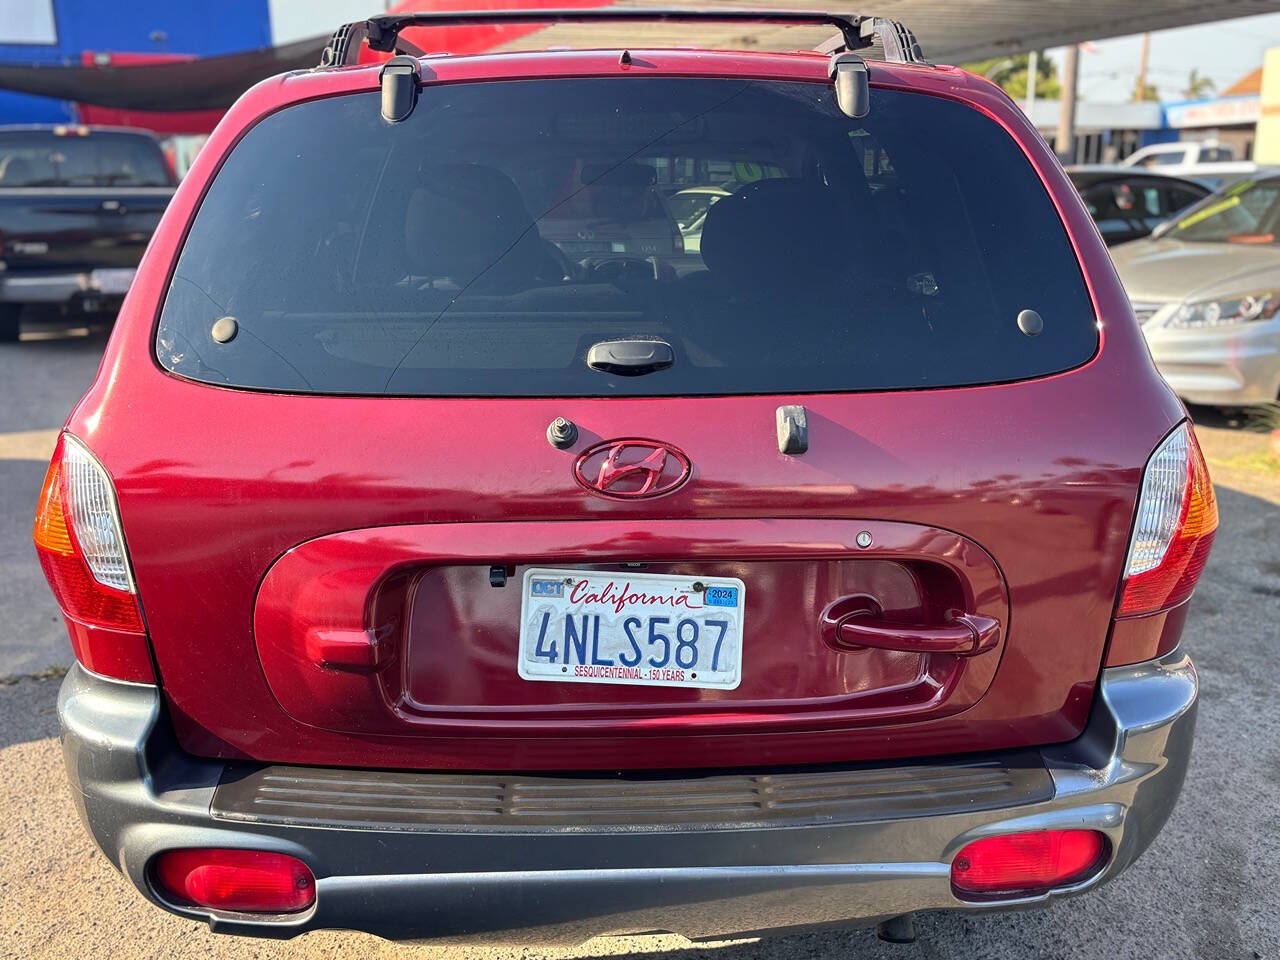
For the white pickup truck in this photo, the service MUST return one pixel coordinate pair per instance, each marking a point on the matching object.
(1208, 161)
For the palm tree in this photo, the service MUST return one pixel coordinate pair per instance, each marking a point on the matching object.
(1198, 86)
(1011, 74)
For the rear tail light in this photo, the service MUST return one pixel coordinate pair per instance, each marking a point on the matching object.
(1173, 532)
(81, 547)
(241, 881)
(1025, 864)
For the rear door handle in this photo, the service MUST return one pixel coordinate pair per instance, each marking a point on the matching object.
(856, 622)
(964, 635)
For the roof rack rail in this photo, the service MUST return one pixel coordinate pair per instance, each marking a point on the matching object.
(856, 32)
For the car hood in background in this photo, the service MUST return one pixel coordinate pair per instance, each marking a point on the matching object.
(1167, 269)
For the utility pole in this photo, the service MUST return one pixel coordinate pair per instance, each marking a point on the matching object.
(1141, 93)
(1033, 68)
(1067, 116)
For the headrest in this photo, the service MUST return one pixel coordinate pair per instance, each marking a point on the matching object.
(462, 218)
(780, 232)
(621, 191)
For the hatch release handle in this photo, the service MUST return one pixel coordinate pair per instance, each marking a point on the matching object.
(630, 358)
(857, 621)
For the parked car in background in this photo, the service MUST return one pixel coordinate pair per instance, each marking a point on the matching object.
(1206, 288)
(1215, 176)
(1179, 153)
(1128, 204)
(455, 585)
(611, 223)
(78, 205)
(1207, 161)
(690, 206)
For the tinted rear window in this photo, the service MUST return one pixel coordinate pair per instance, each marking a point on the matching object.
(38, 158)
(482, 246)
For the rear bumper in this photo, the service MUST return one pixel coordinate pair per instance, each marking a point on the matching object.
(1220, 366)
(414, 874)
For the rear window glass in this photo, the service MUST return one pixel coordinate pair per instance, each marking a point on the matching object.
(485, 244)
(40, 158)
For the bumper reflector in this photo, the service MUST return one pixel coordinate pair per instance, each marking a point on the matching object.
(1026, 863)
(241, 881)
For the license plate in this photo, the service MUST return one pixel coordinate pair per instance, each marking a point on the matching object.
(111, 280)
(644, 629)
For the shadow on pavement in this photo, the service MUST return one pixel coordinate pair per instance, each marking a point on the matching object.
(1250, 420)
(28, 710)
(32, 635)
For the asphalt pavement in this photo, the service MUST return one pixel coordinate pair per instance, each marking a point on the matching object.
(1208, 888)
(41, 378)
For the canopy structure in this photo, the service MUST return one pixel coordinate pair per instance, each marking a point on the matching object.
(949, 32)
(201, 83)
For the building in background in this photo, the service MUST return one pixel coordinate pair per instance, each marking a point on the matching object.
(1266, 148)
(1105, 132)
(1109, 132)
(92, 32)
(1231, 118)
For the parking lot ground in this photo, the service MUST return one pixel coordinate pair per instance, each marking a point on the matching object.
(1208, 888)
(41, 377)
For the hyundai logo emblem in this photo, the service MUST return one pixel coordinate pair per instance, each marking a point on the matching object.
(632, 469)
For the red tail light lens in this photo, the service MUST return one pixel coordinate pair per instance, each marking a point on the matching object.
(1174, 529)
(1027, 863)
(81, 549)
(241, 881)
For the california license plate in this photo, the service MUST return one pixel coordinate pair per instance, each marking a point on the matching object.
(646, 629)
(115, 280)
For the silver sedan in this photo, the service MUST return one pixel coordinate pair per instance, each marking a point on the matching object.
(1206, 289)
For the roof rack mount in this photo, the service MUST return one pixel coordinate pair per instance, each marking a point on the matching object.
(855, 32)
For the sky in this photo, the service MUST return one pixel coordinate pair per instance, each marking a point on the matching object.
(1225, 50)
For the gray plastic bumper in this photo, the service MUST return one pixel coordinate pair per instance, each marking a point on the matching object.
(139, 794)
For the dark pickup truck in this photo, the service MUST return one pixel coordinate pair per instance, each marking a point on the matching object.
(77, 207)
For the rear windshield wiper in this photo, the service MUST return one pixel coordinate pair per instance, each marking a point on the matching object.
(630, 358)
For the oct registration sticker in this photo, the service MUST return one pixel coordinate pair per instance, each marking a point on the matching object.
(645, 629)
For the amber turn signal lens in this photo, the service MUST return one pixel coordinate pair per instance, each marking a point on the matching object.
(51, 531)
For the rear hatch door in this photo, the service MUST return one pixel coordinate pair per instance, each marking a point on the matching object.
(845, 490)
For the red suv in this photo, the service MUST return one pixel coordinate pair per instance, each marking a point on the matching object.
(433, 574)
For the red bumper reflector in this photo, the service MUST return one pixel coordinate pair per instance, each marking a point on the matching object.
(242, 881)
(1027, 863)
